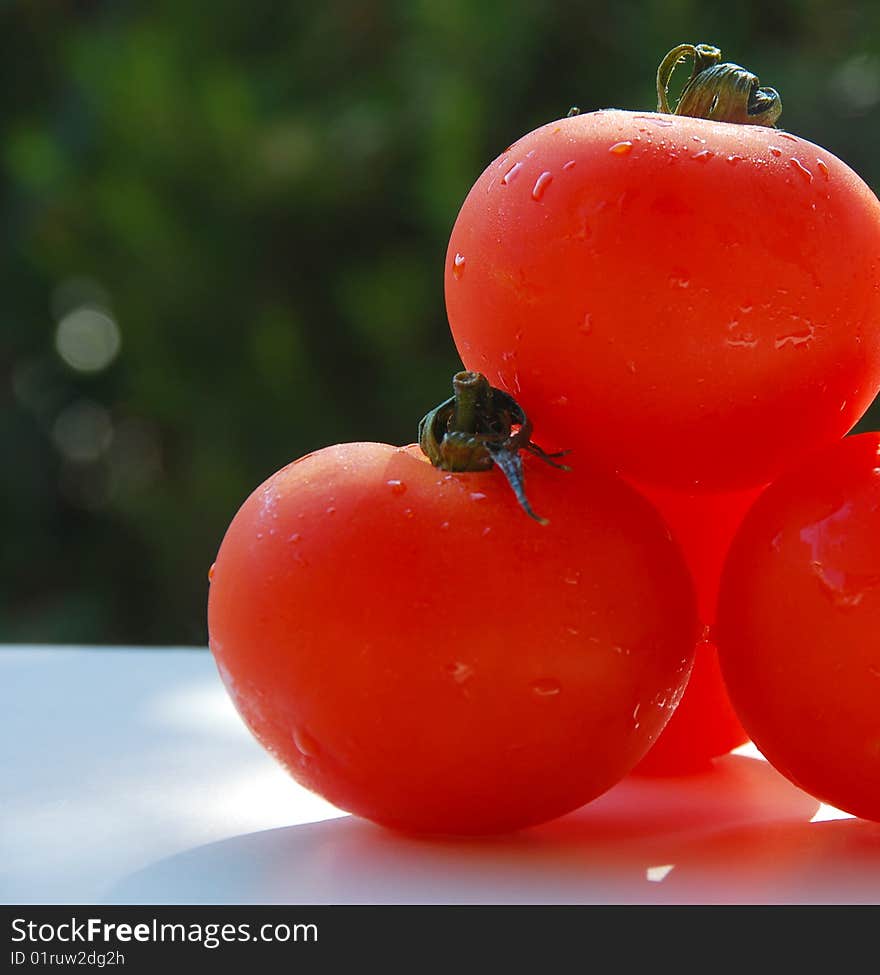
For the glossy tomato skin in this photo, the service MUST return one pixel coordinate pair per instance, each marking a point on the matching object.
(413, 647)
(704, 725)
(716, 284)
(799, 625)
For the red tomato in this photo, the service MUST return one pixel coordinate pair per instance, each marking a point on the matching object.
(695, 303)
(799, 625)
(415, 649)
(704, 724)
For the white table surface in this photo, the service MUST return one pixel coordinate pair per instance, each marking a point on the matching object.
(128, 778)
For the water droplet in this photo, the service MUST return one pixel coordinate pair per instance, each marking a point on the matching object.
(487, 530)
(546, 687)
(330, 511)
(259, 535)
(572, 630)
(734, 159)
(458, 267)
(795, 339)
(586, 325)
(530, 154)
(786, 135)
(477, 496)
(621, 148)
(460, 672)
(658, 120)
(572, 579)
(511, 174)
(397, 487)
(559, 401)
(304, 742)
(679, 279)
(541, 184)
(444, 525)
(775, 151)
(569, 165)
(631, 366)
(801, 169)
(211, 571)
(822, 166)
(843, 406)
(704, 155)
(696, 138)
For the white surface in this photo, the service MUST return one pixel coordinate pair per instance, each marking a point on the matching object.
(129, 778)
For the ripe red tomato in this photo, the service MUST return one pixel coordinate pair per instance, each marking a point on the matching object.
(704, 724)
(799, 625)
(415, 649)
(694, 303)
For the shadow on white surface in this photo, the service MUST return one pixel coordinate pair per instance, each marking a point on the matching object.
(737, 834)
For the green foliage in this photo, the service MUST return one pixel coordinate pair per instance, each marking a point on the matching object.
(254, 201)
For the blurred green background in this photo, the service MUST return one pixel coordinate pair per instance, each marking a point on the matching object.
(224, 228)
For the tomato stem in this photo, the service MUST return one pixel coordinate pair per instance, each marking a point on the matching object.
(721, 92)
(474, 431)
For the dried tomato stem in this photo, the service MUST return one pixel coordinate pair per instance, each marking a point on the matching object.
(474, 431)
(721, 92)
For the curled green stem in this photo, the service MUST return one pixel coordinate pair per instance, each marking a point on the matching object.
(723, 92)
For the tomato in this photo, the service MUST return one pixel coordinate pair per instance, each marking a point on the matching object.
(694, 303)
(414, 648)
(704, 724)
(799, 625)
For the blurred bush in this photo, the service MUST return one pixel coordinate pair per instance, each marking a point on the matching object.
(223, 242)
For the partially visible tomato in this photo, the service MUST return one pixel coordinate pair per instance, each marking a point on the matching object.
(716, 284)
(799, 625)
(704, 724)
(410, 645)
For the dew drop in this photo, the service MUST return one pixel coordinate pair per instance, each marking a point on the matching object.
(294, 538)
(458, 267)
(459, 672)
(408, 513)
(786, 135)
(572, 579)
(559, 401)
(621, 148)
(822, 166)
(775, 151)
(569, 165)
(801, 169)
(541, 184)
(586, 325)
(211, 571)
(477, 496)
(511, 174)
(397, 487)
(304, 742)
(546, 687)
(444, 525)
(696, 138)
(704, 155)
(734, 159)
(330, 511)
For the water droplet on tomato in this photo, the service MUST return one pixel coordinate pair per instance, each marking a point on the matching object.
(559, 401)
(397, 487)
(511, 174)
(444, 525)
(330, 511)
(408, 513)
(546, 687)
(458, 267)
(621, 148)
(569, 165)
(541, 184)
(704, 155)
(211, 571)
(822, 166)
(304, 742)
(734, 159)
(586, 325)
(775, 150)
(680, 279)
(294, 538)
(572, 579)
(696, 138)
(801, 169)
(460, 672)
(795, 338)
(477, 496)
(786, 135)
(530, 153)
(486, 531)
